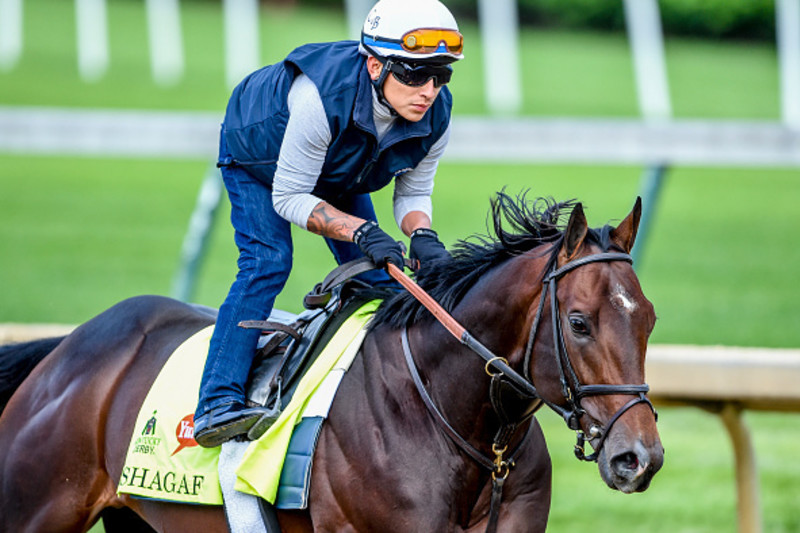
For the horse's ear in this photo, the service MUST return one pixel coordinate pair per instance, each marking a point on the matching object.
(574, 234)
(624, 235)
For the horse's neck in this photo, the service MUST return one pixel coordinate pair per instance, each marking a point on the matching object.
(497, 311)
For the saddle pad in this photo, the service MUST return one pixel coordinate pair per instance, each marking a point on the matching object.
(164, 461)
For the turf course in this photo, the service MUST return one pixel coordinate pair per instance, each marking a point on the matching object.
(78, 235)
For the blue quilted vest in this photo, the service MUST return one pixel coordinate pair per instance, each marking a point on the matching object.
(255, 122)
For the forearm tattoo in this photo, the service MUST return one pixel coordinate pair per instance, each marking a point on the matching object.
(328, 221)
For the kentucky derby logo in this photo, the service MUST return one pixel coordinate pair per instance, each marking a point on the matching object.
(184, 432)
(150, 427)
(147, 442)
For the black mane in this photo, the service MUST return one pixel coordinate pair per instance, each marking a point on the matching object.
(518, 226)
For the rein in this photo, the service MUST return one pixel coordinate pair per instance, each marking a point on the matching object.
(506, 378)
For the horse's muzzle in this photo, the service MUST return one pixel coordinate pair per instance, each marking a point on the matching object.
(630, 469)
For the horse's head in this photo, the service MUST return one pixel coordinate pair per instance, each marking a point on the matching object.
(589, 358)
(579, 339)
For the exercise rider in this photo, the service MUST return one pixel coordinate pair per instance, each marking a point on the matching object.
(305, 141)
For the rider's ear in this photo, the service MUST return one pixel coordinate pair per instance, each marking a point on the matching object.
(374, 68)
(624, 235)
(573, 235)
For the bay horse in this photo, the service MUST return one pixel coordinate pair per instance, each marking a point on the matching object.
(417, 416)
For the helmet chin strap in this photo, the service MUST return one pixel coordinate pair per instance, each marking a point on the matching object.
(378, 83)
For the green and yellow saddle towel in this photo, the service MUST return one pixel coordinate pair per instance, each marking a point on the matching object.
(164, 462)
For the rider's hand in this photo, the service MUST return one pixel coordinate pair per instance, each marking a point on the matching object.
(378, 245)
(426, 247)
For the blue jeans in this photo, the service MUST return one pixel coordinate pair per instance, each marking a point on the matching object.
(265, 260)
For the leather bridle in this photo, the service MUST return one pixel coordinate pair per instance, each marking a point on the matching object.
(509, 390)
(522, 386)
(571, 387)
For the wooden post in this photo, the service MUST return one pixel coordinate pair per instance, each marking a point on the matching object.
(749, 507)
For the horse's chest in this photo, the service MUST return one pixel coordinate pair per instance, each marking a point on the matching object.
(392, 486)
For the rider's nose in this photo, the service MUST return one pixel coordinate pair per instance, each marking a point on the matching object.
(428, 89)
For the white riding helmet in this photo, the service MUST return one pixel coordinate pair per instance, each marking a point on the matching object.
(417, 31)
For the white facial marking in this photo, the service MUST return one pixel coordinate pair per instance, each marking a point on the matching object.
(622, 300)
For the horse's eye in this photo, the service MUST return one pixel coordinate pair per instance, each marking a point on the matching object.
(579, 325)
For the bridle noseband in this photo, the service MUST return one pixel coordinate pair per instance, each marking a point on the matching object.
(571, 387)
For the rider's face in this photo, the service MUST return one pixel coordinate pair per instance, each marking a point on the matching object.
(411, 103)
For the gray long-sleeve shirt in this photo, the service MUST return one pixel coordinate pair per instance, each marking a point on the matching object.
(305, 145)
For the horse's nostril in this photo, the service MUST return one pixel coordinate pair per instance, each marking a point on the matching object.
(625, 463)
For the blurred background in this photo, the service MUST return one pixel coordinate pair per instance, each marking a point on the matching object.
(109, 115)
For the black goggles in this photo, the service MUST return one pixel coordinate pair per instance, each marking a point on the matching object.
(417, 76)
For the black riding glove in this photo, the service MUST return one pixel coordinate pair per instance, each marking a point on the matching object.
(426, 247)
(378, 245)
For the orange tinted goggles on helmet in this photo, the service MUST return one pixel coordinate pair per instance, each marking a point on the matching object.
(429, 40)
(420, 41)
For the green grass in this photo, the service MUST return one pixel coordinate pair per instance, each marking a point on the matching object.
(79, 234)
